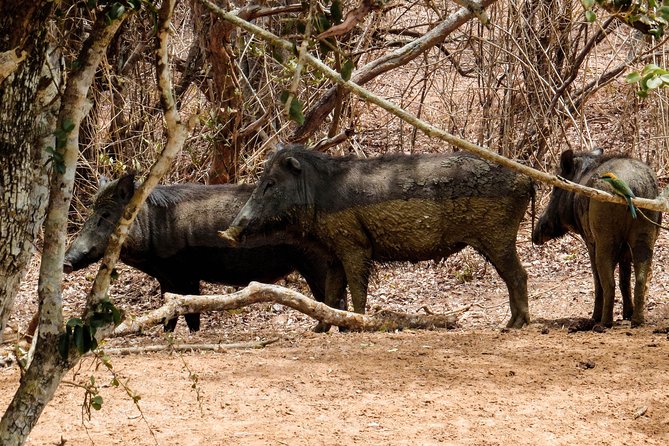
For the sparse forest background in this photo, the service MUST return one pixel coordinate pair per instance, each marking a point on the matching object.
(537, 80)
(527, 79)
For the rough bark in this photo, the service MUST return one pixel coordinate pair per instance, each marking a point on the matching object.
(257, 292)
(216, 37)
(48, 366)
(176, 136)
(31, 77)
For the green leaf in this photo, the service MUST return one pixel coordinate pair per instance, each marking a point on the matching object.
(83, 339)
(295, 111)
(68, 125)
(633, 77)
(347, 69)
(115, 11)
(96, 402)
(665, 78)
(590, 16)
(588, 4)
(664, 12)
(654, 82)
(321, 23)
(64, 344)
(651, 68)
(79, 340)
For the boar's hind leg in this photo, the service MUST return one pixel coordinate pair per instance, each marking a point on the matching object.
(508, 266)
(187, 288)
(624, 281)
(356, 267)
(597, 310)
(642, 252)
(605, 265)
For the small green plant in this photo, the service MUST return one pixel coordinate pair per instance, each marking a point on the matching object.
(650, 78)
(82, 334)
(56, 157)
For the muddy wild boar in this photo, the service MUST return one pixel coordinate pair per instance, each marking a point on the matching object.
(612, 236)
(174, 240)
(395, 207)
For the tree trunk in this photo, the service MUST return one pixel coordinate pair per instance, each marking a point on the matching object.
(28, 108)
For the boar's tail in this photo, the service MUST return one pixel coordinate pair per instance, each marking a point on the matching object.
(533, 197)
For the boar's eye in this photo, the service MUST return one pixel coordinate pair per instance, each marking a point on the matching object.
(104, 217)
(270, 183)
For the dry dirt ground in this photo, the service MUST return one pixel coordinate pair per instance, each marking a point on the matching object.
(474, 385)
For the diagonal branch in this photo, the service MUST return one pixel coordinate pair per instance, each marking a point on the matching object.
(659, 204)
(398, 58)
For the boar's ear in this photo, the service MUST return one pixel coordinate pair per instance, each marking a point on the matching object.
(293, 165)
(567, 162)
(597, 151)
(125, 187)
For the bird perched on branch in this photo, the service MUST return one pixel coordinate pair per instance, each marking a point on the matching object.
(620, 188)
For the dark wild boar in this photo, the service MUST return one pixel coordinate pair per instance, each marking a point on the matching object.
(610, 233)
(174, 240)
(398, 207)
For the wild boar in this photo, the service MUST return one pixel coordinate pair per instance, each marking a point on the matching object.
(397, 207)
(612, 236)
(174, 240)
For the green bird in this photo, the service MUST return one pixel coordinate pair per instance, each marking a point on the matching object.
(620, 188)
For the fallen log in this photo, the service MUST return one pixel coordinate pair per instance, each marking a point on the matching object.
(385, 320)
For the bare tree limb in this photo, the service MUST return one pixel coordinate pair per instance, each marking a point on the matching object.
(189, 347)
(353, 17)
(257, 293)
(47, 368)
(658, 204)
(400, 57)
(326, 143)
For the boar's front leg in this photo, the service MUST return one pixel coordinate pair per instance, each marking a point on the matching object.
(328, 287)
(184, 288)
(501, 252)
(357, 266)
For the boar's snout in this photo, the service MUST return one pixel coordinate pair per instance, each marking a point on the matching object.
(67, 267)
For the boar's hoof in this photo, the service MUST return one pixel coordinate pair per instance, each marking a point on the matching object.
(518, 321)
(193, 321)
(322, 327)
(599, 328)
(636, 323)
(170, 325)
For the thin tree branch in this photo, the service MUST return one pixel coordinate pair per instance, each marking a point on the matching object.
(400, 57)
(659, 204)
(189, 347)
(176, 136)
